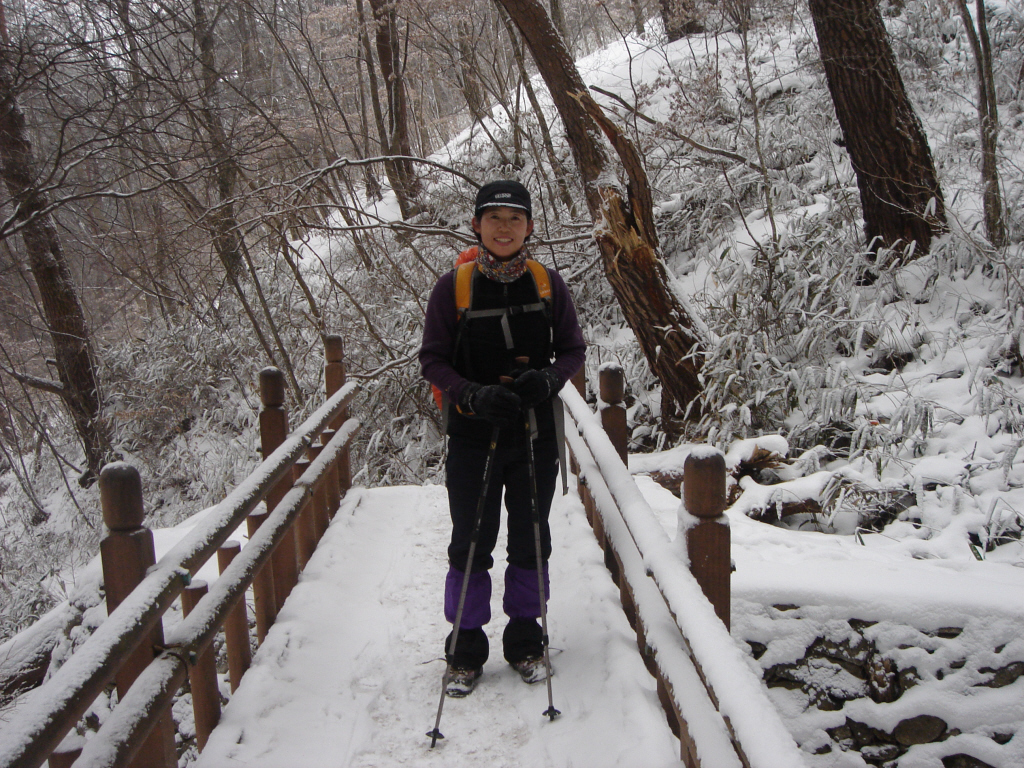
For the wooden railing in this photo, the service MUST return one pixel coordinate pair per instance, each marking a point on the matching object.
(302, 478)
(676, 593)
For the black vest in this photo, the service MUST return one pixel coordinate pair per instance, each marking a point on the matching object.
(512, 312)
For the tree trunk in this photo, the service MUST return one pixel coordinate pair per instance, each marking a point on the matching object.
(681, 18)
(391, 169)
(373, 188)
(225, 171)
(899, 191)
(254, 74)
(226, 241)
(625, 226)
(558, 17)
(469, 75)
(388, 45)
(738, 14)
(549, 147)
(638, 16)
(988, 119)
(62, 309)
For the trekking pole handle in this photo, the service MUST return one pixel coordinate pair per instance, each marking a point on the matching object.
(521, 364)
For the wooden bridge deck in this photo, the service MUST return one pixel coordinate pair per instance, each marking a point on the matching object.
(350, 673)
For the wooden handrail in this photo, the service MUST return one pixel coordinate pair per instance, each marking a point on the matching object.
(702, 731)
(644, 554)
(52, 710)
(130, 722)
(194, 550)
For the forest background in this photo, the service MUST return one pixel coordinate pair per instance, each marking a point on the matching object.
(194, 191)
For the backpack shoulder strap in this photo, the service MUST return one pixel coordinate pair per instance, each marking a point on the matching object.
(541, 278)
(464, 282)
(464, 285)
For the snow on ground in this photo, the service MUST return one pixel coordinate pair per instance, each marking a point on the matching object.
(350, 674)
(949, 623)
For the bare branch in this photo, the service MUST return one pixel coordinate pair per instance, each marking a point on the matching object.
(676, 135)
(45, 385)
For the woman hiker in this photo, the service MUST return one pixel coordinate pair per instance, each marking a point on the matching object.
(504, 306)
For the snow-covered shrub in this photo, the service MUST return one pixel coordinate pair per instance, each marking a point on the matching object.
(183, 407)
(923, 34)
(778, 317)
(38, 558)
(1004, 524)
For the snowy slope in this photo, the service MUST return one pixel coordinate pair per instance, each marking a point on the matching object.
(950, 624)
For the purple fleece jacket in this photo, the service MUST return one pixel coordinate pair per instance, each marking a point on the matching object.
(441, 324)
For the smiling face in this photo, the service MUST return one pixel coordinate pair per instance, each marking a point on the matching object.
(503, 230)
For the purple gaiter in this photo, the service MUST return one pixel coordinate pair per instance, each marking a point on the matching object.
(477, 610)
(522, 597)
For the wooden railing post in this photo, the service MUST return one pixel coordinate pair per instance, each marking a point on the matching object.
(126, 553)
(579, 380)
(613, 413)
(320, 501)
(708, 539)
(202, 674)
(236, 625)
(273, 432)
(334, 379)
(264, 600)
(305, 523)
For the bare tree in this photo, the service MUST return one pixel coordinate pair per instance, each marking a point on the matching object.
(681, 18)
(393, 124)
(78, 384)
(988, 119)
(638, 16)
(899, 191)
(626, 236)
(558, 18)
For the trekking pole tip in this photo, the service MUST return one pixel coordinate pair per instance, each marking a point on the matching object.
(551, 713)
(434, 736)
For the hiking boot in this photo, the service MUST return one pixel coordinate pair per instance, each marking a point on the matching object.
(532, 669)
(462, 681)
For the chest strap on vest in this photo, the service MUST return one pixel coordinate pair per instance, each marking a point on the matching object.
(464, 274)
(506, 330)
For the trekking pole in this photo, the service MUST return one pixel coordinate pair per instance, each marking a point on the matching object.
(488, 471)
(550, 712)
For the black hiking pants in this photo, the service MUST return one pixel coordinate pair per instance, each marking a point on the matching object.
(510, 478)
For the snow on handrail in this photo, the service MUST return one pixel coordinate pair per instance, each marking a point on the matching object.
(705, 726)
(50, 711)
(195, 549)
(741, 696)
(156, 686)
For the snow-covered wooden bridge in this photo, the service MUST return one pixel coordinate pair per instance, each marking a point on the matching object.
(348, 667)
(349, 655)
(350, 673)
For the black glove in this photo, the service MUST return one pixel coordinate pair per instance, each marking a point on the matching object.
(494, 403)
(534, 387)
